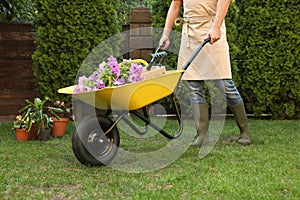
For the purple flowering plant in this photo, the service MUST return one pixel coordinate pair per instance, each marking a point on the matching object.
(111, 73)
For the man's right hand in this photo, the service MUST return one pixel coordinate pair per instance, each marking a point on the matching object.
(164, 42)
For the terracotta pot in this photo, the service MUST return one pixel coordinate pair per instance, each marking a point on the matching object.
(32, 132)
(21, 134)
(59, 127)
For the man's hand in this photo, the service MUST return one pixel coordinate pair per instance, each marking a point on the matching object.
(214, 34)
(164, 42)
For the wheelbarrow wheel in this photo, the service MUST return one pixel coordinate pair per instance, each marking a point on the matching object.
(89, 143)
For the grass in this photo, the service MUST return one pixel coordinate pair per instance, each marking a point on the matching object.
(267, 169)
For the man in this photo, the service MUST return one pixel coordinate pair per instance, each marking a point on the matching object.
(204, 19)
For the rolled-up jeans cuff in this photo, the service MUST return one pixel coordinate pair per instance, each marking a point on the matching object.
(197, 95)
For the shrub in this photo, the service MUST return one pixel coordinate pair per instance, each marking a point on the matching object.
(269, 43)
(66, 31)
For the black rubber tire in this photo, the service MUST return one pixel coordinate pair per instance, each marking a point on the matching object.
(89, 144)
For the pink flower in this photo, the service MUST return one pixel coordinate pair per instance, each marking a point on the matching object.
(136, 68)
(120, 81)
(110, 74)
(102, 66)
(100, 84)
(114, 66)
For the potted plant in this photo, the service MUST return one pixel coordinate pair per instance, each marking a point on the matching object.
(60, 124)
(40, 114)
(21, 128)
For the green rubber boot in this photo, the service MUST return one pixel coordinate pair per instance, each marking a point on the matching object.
(242, 122)
(201, 118)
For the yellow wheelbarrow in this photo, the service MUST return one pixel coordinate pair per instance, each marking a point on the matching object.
(96, 137)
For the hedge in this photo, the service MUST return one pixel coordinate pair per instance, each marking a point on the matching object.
(269, 41)
(66, 31)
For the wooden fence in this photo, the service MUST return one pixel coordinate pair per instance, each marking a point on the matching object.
(17, 81)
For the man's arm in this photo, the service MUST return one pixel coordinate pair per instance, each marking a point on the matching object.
(215, 32)
(172, 15)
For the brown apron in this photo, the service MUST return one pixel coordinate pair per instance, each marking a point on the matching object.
(213, 61)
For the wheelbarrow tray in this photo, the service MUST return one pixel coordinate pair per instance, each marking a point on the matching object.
(131, 96)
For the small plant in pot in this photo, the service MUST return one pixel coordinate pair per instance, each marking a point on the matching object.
(60, 124)
(21, 128)
(20, 123)
(27, 123)
(40, 114)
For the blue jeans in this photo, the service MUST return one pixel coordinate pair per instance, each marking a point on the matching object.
(226, 86)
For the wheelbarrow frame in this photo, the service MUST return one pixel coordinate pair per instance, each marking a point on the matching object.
(121, 115)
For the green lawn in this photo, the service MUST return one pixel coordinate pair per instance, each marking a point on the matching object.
(267, 169)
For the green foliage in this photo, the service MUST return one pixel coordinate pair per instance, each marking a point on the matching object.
(232, 34)
(9, 9)
(269, 43)
(66, 32)
(17, 11)
(159, 11)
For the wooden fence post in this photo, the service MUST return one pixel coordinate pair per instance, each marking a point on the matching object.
(141, 42)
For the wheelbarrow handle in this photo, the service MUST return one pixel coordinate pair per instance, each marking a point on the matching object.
(196, 53)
